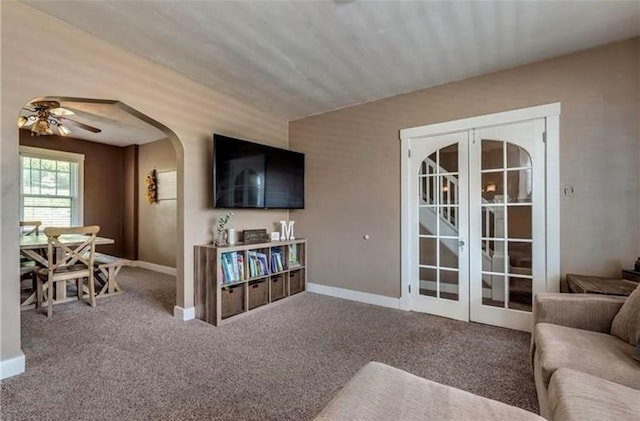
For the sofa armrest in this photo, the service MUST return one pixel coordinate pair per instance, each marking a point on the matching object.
(583, 311)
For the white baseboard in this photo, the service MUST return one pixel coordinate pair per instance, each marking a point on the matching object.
(154, 267)
(12, 366)
(184, 314)
(347, 294)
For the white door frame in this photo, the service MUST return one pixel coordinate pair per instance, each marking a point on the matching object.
(551, 114)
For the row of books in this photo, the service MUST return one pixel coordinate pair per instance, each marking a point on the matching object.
(293, 256)
(277, 261)
(233, 269)
(257, 264)
(232, 265)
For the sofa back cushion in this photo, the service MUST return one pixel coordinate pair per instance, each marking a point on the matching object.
(626, 324)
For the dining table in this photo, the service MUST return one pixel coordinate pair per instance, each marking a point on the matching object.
(35, 248)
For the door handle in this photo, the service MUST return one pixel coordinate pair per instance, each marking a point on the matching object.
(461, 243)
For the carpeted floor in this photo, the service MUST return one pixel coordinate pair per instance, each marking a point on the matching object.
(129, 359)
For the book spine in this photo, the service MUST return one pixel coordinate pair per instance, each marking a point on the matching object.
(234, 263)
(225, 267)
(241, 266)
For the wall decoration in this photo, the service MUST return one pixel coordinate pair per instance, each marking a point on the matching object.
(286, 232)
(152, 187)
(167, 185)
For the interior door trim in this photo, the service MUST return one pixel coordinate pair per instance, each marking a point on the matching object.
(551, 114)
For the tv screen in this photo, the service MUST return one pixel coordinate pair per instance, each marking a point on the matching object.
(252, 175)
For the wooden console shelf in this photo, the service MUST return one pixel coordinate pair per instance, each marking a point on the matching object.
(233, 280)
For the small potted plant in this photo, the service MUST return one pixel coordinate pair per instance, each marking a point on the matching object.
(221, 239)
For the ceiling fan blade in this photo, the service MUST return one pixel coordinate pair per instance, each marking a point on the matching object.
(60, 111)
(81, 125)
(30, 110)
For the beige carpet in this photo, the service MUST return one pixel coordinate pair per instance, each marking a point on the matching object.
(129, 359)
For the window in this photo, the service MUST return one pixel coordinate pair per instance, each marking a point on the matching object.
(51, 187)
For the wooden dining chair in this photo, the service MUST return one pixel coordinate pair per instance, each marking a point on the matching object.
(30, 227)
(70, 263)
(28, 266)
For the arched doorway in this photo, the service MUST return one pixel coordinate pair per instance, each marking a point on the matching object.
(113, 123)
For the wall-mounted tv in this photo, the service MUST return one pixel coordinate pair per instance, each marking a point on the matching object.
(255, 176)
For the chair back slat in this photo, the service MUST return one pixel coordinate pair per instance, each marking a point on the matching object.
(30, 227)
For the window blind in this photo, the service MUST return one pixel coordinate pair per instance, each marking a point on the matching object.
(49, 191)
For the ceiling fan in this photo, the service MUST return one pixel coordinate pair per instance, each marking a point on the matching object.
(48, 115)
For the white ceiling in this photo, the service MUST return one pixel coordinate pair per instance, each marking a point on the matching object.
(295, 58)
(119, 127)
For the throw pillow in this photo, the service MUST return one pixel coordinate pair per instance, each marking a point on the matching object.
(626, 324)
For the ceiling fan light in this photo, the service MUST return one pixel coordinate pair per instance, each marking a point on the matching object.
(42, 127)
(31, 119)
(63, 130)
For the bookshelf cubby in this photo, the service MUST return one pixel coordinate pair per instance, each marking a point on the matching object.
(233, 280)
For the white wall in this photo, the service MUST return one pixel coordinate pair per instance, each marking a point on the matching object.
(84, 66)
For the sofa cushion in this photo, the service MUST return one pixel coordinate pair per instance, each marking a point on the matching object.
(380, 392)
(595, 353)
(574, 395)
(626, 324)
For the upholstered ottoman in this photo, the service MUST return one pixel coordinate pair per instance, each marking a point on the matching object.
(380, 392)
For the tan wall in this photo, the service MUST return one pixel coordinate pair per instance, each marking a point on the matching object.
(353, 165)
(103, 204)
(91, 68)
(157, 223)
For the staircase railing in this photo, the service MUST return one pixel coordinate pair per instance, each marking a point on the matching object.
(448, 196)
(448, 192)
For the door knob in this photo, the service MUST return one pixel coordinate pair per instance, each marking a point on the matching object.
(461, 243)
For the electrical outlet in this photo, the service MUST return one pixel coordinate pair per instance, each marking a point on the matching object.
(569, 189)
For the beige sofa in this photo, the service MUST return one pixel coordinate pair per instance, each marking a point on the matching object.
(581, 371)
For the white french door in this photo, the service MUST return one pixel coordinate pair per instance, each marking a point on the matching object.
(507, 242)
(474, 221)
(439, 211)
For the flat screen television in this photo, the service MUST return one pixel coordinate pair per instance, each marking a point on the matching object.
(255, 176)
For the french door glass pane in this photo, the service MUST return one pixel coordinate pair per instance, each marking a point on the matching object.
(428, 282)
(427, 193)
(428, 251)
(520, 293)
(449, 189)
(517, 157)
(520, 222)
(426, 224)
(433, 160)
(520, 258)
(492, 154)
(493, 187)
(448, 253)
(449, 158)
(519, 186)
(449, 281)
(493, 290)
(448, 221)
